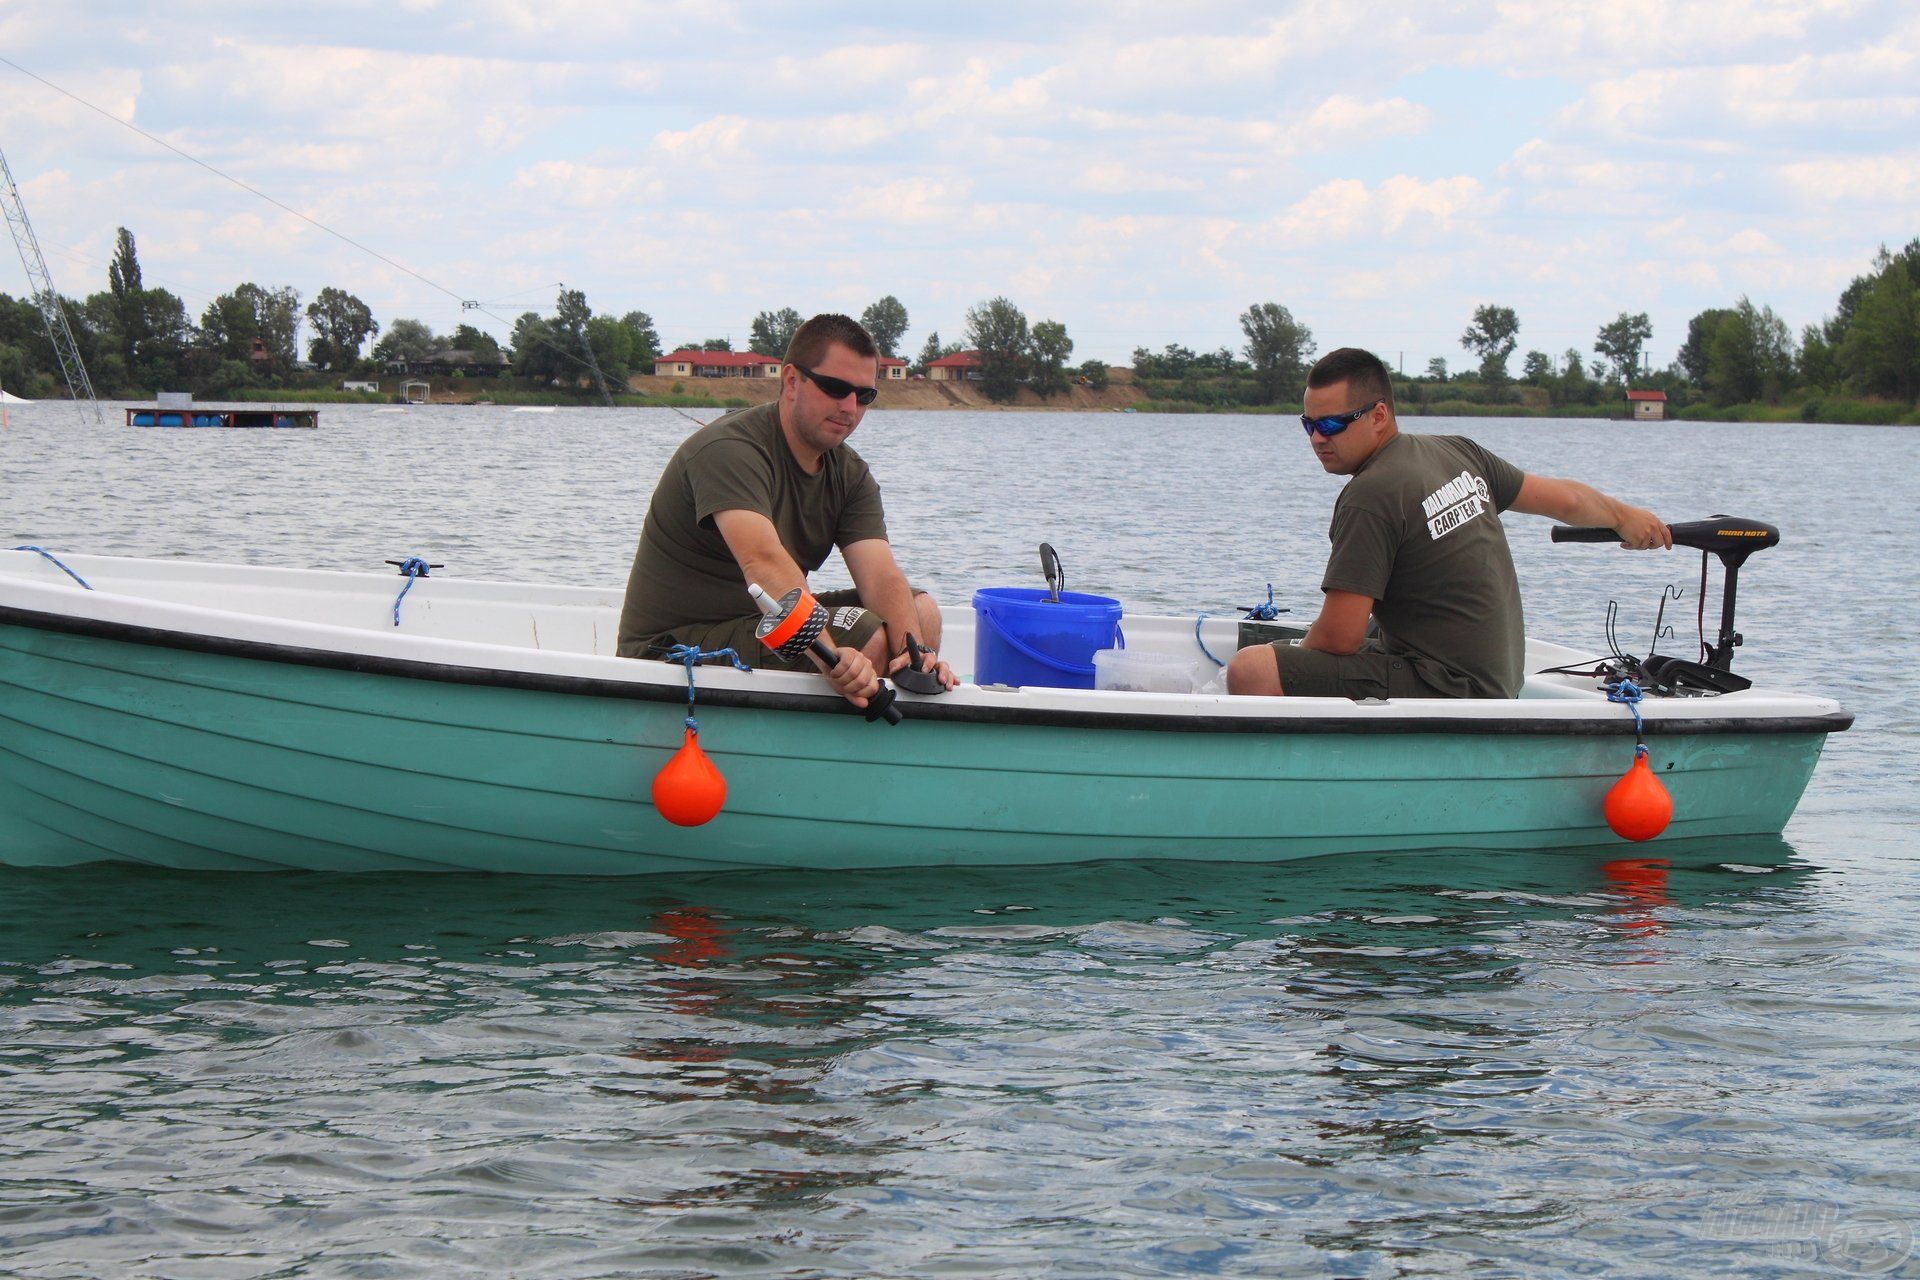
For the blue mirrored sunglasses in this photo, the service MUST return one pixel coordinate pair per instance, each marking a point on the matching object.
(1334, 424)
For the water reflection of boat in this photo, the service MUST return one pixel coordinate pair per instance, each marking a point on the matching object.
(216, 716)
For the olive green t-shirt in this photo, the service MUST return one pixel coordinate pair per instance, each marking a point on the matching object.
(684, 574)
(1417, 529)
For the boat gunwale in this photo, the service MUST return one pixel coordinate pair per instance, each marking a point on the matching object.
(673, 689)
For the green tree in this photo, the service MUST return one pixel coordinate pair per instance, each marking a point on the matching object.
(1049, 347)
(1537, 368)
(1850, 297)
(569, 323)
(279, 312)
(1693, 352)
(1492, 336)
(234, 320)
(998, 331)
(612, 344)
(646, 338)
(1620, 342)
(772, 331)
(485, 347)
(228, 326)
(718, 344)
(1749, 356)
(932, 350)
(1574, 385)
(886, 320)
(536, 353)
(341, 324)
(1096, 374)
(1437, 369)
(129, 306)
(1278, 347)
(1175, 361)
(1880, 353)
(406, 340)
(1819, 364)
(162, 354)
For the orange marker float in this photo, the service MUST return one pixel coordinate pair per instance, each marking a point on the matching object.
(1638, 806)
(688, 791)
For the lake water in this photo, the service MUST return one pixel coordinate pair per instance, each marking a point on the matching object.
(1507, 1064)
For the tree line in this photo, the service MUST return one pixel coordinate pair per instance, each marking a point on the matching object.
(137, 339)
(1742, 354)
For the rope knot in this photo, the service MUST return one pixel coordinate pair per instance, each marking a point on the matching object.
(412, 568)
(1265, 612)
(1628, 693)
(692, 653)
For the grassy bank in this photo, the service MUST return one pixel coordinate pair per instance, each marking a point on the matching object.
(1869, 413)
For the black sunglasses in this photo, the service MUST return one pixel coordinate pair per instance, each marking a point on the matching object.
(1334, 423)
(838, 388)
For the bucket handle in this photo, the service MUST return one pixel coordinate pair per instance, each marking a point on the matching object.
(1046, 660)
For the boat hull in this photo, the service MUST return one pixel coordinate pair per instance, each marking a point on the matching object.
(120, 748)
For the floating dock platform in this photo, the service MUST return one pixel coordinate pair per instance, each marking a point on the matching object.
(223, 417)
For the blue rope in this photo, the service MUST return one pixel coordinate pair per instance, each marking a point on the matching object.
(413, 567)
(1263, 612)
(690, 654)
(63, 568)
(1627, 692)
(1202, 643)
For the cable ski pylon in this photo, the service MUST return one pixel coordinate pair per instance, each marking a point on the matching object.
(45, 297)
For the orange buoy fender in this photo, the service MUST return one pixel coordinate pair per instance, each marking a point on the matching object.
(1638, 807)
(689, 790)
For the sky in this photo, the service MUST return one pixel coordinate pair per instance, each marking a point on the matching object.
(1140, 173)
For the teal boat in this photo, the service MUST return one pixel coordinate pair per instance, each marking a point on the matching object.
(212, 716)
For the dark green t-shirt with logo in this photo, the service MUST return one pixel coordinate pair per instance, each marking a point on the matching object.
(1417, 529)
(683, 573)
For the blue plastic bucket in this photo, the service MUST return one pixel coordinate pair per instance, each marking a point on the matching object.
(1020, 637)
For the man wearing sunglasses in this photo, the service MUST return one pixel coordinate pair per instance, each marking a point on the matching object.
(1419, 551)
(763, 495)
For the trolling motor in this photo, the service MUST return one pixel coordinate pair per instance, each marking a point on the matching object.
(1732, 540)
(791, 627)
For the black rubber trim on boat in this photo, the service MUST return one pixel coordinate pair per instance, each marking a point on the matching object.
(929, 709)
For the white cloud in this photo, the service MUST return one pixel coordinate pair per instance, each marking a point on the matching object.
(1344, 119)
(1134, 177)
(1890, 181)
(1401, 206)
(1115, 177)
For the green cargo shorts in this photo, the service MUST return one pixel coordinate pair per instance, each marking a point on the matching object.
(1372, 672)
(847, 622)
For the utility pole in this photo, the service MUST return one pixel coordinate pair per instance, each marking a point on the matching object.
(45, 297)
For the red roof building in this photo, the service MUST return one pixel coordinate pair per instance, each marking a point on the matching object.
(1647, 406)
(959, 366)
(893, 369)
(716, 364)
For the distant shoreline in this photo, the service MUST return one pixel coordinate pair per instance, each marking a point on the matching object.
(1121, 395)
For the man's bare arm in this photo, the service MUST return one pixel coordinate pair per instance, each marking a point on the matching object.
(756, 547)
(1572, 502)
(1342, 623)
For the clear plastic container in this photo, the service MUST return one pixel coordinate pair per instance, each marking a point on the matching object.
(1138, 671)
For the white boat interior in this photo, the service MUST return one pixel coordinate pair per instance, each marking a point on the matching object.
(570, 632)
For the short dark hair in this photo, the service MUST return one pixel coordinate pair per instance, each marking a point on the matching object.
(1362, 369)
(811, 340)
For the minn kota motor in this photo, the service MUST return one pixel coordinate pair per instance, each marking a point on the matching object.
(791, 627)
(1732, 540)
